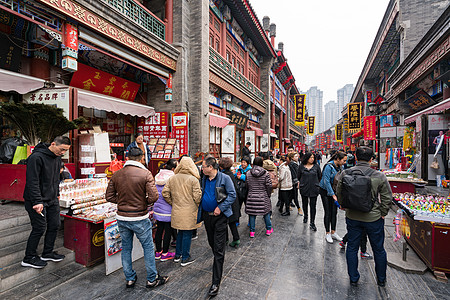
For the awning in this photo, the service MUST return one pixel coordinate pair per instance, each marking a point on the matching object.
(107, 103)
(358, 134)
(273, 133)
(218, 121)
(20, 83)
(258, 131)
(437, 108)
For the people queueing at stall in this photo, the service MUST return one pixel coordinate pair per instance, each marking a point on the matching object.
(185, 195)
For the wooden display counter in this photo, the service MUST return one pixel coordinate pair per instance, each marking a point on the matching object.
(405, 185)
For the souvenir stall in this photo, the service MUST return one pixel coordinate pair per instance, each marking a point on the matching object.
(425, 225)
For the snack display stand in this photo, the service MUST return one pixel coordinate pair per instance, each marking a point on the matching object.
(404, 182)
(426, 222)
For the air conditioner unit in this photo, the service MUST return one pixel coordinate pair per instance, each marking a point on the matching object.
(226, 98)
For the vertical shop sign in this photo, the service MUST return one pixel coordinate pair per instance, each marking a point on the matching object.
(156, 126)
(94, 80)
(338, 132)
(370, 128)
(354, 118)
(180, 130)
(349, 141)
(311, 125)
(369, 96)
(70, 52)
(299, 110)
(168, 91)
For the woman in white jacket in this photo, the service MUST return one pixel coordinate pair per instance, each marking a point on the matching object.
(285, 183)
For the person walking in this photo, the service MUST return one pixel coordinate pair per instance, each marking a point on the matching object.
(225, 164)
(133, 188)
(362, 245)
(183, 192)
(309, 176)
(139, 143)
(318, 157)
(285, 192)
(329, 198)
(41, 200)
(162, 212)
(372, 222)
(241, 175)
(270, 167)
(258, 200)
(217, 198)
(293, 166)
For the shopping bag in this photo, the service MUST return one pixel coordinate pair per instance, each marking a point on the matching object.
(115, 165)
(21, 153)
(435, 164)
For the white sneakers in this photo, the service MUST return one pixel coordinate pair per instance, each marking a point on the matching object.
(336, 237)
(330, 237)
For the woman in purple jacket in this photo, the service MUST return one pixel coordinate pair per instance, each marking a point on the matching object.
(162, 213)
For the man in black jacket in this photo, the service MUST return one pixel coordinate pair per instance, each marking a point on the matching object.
(246, 150)
(41, 200)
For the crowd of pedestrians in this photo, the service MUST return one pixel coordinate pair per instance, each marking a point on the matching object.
(211, 194)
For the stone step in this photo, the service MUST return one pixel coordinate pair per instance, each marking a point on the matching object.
(14, 253)
(8, 223)
(14, 235)
(14, 275)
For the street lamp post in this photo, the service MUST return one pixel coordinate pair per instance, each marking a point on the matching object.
(375, 110)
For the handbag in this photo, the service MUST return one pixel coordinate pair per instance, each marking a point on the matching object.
(221, 194)
(435, 164)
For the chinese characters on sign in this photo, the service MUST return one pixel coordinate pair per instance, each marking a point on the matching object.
(419, 101)
(94, 80)
(155, 126)
(180, 131)
(328, 141)
(370, 128)
(338, 132)
(311, 125)
(354, 116)
(299, 110)
(239, 119)
(369, 96)
(57, 97)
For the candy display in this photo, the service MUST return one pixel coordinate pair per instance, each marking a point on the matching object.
(433, 208)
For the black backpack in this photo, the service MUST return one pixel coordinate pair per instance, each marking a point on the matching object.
(357, 190)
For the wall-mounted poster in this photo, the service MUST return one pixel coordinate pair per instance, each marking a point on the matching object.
(265, 143)
(250, 137)
(212, 132)
(228, 139)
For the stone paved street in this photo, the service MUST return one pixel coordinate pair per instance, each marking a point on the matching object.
(293, 263)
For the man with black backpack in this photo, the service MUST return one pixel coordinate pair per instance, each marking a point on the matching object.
(366, 195)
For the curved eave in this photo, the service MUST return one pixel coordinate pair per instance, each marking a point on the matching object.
(244, 14)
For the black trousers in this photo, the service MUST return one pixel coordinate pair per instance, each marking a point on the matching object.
(295, 195)
(216, 230)
(330, 209)
(312, 208)
(285, 199)
(162, 237)
(234, 230)
(362, 244)
(48, 224)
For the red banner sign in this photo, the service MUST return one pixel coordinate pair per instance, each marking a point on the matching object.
(155, 126)
(369, 96)
(92, 79)
(370, 128)
(71, 37)
(180, 130)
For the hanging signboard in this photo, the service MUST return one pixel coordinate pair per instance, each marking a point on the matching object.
(94, 80)
(370, 128)
(386, 121)
(418, 102)
(338, 132)
(299, 109)
(180, 130)
(311, 121)
(155, 126)
(56, 97)
(354, 119)
(239, 119)
(369, 96)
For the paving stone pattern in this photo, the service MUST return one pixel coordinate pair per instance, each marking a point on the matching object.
(293, 263)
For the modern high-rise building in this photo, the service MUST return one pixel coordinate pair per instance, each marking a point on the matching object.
(330, 114)
(314, 104)
(343, 97)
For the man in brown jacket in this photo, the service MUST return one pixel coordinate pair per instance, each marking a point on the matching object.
(183, 192)
(133, 189)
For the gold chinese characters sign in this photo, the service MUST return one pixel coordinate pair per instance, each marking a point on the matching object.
(299, 101)
(311, 121)
(338, 132)
(354, 116)
(88, 18)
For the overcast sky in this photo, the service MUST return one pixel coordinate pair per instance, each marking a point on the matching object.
(326, 42)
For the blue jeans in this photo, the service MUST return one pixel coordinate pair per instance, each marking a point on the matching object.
(252, 221)
(143, 231)
(183, 244)
(375, 232)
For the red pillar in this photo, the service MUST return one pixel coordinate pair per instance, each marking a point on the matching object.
(169, 21)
